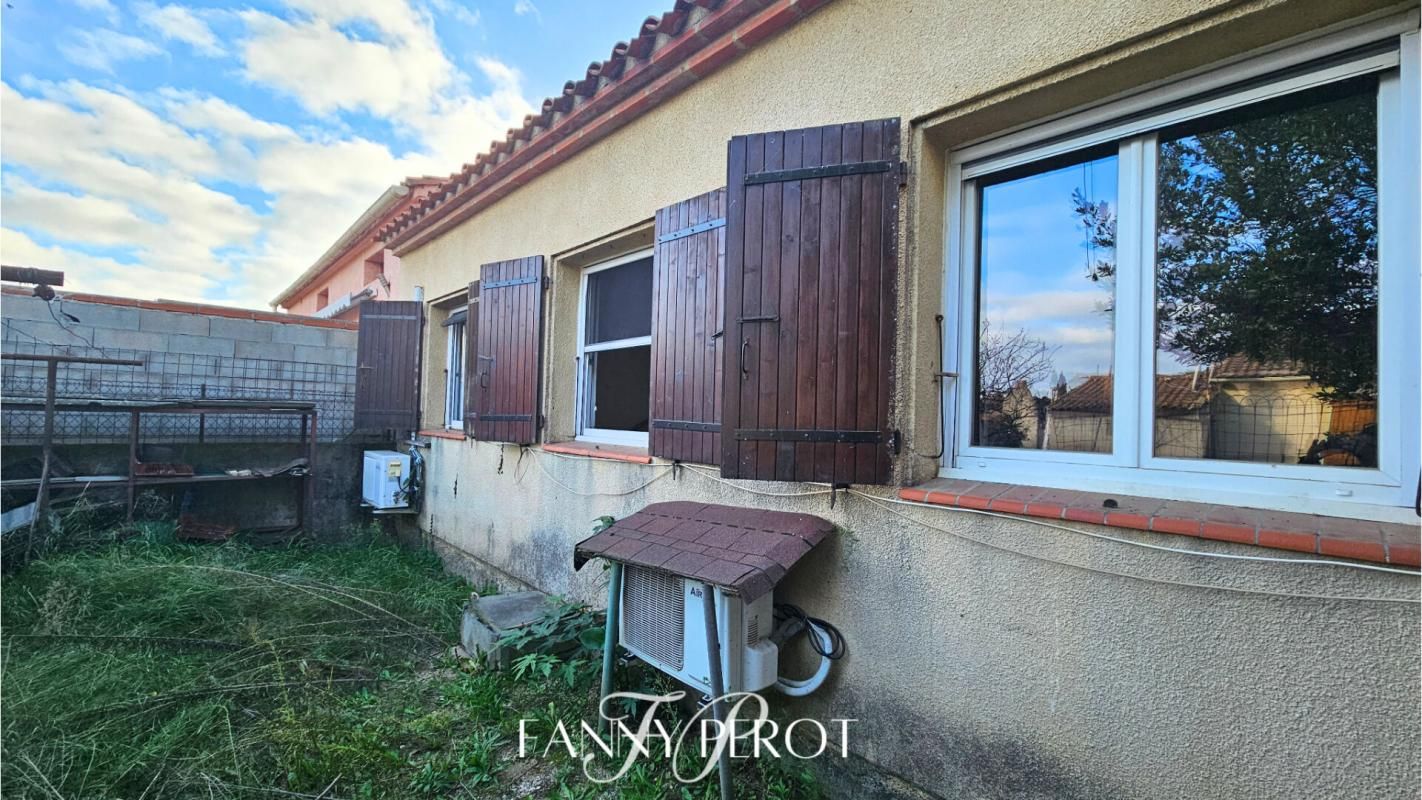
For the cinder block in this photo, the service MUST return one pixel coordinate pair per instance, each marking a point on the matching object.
(172, 322)
(102, 316)
(340, 337)
(325, 355)
(272, 350)
(24, 308)
(28, 332)
(201, 345)
(134, 340)
(293, 333)
(247, 330)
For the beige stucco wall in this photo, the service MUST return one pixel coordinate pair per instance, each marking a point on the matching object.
(975, 672)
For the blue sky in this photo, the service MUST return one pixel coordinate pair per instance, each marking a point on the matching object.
(200, 150)
(1034, 264)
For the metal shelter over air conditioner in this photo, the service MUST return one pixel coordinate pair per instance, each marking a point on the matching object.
(690, 593)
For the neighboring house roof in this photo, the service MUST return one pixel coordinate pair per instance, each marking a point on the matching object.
(1240, 367)
(1174, 394)
(359, 231)
(668, 55)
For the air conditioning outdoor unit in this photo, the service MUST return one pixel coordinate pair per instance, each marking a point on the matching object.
(384, 475)
(663, 622)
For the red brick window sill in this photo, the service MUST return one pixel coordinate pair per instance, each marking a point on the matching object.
(1381, 542)
(612, 452)
(439, 433)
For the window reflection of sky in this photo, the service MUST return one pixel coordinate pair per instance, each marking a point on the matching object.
(1035, 257)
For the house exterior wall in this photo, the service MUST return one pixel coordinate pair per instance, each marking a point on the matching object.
(980, 664)
(347, 276)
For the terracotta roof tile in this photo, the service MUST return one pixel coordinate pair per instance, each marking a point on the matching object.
(1174, 394)
(744, 551)
(1243, 367)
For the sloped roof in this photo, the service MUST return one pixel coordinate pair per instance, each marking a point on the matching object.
(668, 54)
(1241, 367)
(745, 551)
(1174, 394)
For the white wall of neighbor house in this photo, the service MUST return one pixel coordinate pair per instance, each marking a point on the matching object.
(1032, 662)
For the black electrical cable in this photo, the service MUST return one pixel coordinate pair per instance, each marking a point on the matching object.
(836, 648)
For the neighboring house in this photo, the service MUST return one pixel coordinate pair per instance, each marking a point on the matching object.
(1081, 419)
(714, 268)
(358, 267)
(1272, 412)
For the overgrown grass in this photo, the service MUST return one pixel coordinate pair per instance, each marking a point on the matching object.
(150, 668)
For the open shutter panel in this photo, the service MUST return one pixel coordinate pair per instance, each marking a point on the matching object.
(811, 252)
(471, 356)
(686, 329)
(388, 366)
(505, 399)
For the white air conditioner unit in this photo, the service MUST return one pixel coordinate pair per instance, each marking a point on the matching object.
(663, 622)
(385, 471)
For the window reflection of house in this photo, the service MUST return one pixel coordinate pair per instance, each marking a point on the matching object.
(1080, 418)
(1016, 419)
(1271, 412)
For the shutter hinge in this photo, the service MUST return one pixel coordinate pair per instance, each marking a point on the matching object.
(547, 282)
(542, 422)
(903, 173)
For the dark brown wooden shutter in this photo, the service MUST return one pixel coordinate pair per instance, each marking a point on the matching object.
(505, 398)
(686, 329)
(471, 356)
(811, 253)
(388, 366)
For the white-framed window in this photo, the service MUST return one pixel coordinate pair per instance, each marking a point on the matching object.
(1204, 292)
(454, 369)
(614, 351)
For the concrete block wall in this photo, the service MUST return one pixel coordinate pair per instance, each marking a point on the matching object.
(190, 351)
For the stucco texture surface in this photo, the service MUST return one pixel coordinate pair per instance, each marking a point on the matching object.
(979, 672)
(974, 671)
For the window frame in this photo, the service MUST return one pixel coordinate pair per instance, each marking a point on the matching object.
(583, 431)
(1132, 467)
(455, 343)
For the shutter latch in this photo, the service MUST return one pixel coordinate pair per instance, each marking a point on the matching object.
(895, 441)
(903, 173)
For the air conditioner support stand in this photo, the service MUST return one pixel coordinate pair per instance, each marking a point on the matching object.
(718, 688)
(609, 638)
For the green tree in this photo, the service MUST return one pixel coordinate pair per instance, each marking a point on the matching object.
(1266, 240)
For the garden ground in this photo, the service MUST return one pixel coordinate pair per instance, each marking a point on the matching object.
(142, 667)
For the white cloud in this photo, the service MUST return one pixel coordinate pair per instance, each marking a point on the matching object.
(1011, 310)
(105, 7)
(101, 49)
(526, 7)
(179, 23)
(185, 195)
(328, 70)
(207, 113)
(456, 10)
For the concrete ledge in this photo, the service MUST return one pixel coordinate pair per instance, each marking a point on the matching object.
(612, 452)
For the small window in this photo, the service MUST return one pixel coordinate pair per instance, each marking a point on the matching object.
(1191, 297)
(323, 299)
(454, 370)
(614, 351)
